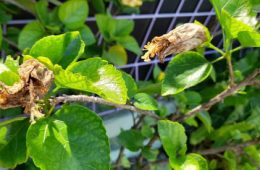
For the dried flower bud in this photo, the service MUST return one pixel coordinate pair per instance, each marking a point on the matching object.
(35, 81)
(183, 38)
(132, 3)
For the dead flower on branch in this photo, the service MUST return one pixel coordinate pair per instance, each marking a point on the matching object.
(183, 38)
(35, 81)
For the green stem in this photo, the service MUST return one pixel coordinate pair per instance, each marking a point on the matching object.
(218, 59)
(51, 110)
(230, 68)
(216, 49)
(55, 90)
(236, 49)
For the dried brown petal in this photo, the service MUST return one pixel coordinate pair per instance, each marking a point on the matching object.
(35, 81)
(183, 38)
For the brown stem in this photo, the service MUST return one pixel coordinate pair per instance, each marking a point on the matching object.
(214, 151)
(121, 151)
(228, 92)
(120, 155)
(93, 99)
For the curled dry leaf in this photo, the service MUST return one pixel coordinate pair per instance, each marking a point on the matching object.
(183, 38)
(35, 81)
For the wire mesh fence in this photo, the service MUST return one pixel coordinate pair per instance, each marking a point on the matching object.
(155, 18)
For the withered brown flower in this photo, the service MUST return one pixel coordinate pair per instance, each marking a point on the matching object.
(183, 38)
(35, 81)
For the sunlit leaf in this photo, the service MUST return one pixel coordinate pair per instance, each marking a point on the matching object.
(73, 13)
(173, 137)
(185, 70)
(145, 102)
(74, 138)
(60, 49)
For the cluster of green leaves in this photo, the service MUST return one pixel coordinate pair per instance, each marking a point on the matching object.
(60, 133)
(71, 16)
(77, 135)
(234, 120)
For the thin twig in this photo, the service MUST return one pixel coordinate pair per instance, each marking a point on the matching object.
(120, 155)
(236, 49)
(121, 150)
(92, 99)
(230, 69)
(22, 6)
(218, 59)
(10, 42)
(214, 151)
(228, 92)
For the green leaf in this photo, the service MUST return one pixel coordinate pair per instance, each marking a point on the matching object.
(12, 64)
(30, 34)
(99, 6)
(73, 13)
(145, 102)
(1, 36)
(67, 79)
(173, 138)
(235, 16)
(130, 44)
(5, 17)
(102, 78)
(240, 9)
(193, 98)
(7, 76)
(106, 25)
(213, 164)
(233, 26)
(206, 120)
(123, 28)
(156, 71)
(60, 49)
(149, 153)
(131, 139)
(113, 29)
(230, 159)
(198, 135)
(11, 112)
(41, 8)
(185, 70)
(249, 39)
(12, 142)
(124, 162)
(256, 4)
(130, 85)
(116, 55)
(87, 35)
(46, 61)
(147, 131)
(195, 162)
(224, 133)
(74, 138)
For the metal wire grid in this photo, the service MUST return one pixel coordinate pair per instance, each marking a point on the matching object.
(153, 17)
